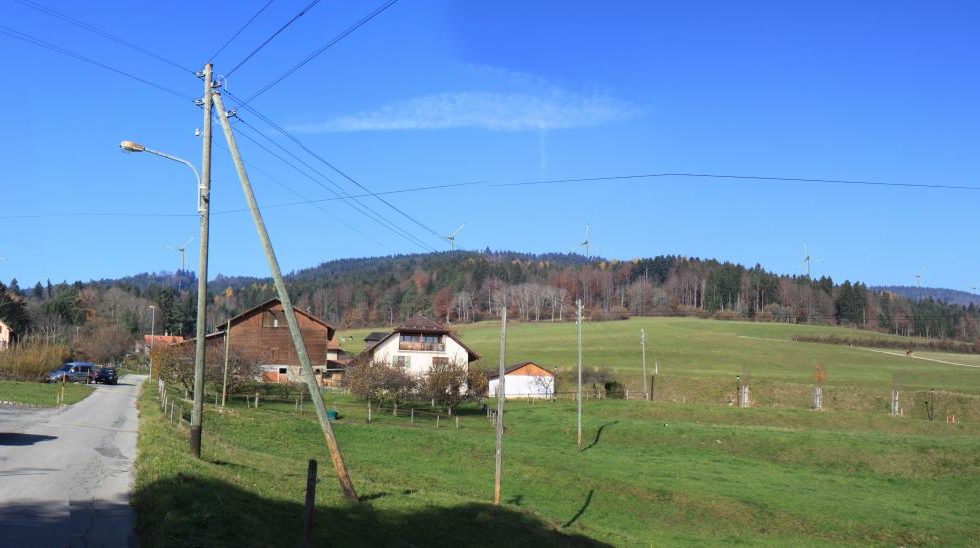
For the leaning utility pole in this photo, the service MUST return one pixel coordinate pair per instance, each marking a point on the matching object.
(578, 303)
(499, 459)
(287, 306)
(643, 342)
(203, 205)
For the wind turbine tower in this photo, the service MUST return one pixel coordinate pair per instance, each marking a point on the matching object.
(183, 253)
(585, 243)
(806, 259)
(452, 237)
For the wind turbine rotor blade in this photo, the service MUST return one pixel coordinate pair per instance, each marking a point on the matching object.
(458, 229)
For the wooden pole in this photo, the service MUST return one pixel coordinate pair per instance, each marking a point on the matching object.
(310, 504)
(643, 343)
(499, 457)
(224, 381)
(346, 484)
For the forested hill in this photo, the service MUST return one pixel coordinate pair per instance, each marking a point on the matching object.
(466, 286)
(951, 296)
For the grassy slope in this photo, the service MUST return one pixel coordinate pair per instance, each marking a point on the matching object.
(710, 349)
(36, 393)
(652, 473)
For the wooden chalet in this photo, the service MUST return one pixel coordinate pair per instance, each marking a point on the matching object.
(261, 335)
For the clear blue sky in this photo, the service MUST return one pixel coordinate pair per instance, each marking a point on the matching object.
(438, 92)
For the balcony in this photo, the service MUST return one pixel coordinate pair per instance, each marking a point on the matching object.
(421, 346)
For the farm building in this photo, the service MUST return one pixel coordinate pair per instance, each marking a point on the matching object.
(524, 380)
(261, 335)
(417, 345)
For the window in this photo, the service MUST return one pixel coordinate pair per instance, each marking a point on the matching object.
(271, 319)
(403, 361)
(282, 370)
(440, 361)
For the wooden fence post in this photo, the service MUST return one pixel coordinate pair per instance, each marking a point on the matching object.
(413, 415)
(457, 422)
(437, 421)
(256, 400)
(369, 411)
(310, 504)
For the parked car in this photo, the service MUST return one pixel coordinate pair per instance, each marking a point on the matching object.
(107, 375)
(74, 372)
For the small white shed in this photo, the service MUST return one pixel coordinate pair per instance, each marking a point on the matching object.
(524, 380)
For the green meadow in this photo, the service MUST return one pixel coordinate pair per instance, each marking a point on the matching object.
(689, 470)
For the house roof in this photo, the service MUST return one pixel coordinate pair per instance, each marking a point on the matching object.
(163, 339)
(332, 342)
(513, 368)
(422, 324)
(375, 336)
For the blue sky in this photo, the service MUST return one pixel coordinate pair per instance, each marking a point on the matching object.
(437, 92)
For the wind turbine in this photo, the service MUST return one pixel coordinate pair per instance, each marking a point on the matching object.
(452, 237)
(585, 243)
(806, 259)
(183, 253)
(918, 277)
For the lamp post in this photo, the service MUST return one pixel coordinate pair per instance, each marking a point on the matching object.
(203, 200)
(153, 318)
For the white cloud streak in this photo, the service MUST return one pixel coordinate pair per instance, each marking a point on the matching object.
(483, 110)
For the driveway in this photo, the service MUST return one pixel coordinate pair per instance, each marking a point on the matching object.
(66, 474)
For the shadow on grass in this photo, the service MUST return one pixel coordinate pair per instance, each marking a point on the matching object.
(16, 439)
(585, 505)
(598, 435)
(195, 511)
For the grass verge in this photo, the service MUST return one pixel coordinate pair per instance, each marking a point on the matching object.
(36, 393)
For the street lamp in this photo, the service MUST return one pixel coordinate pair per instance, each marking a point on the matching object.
(131, 146)
(203, 200)
(153, 317)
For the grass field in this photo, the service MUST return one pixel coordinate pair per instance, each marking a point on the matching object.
(684, 469)
(711, 349)
(36, 393)
(651, 473)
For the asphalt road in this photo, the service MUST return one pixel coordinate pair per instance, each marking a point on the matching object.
(66, 474)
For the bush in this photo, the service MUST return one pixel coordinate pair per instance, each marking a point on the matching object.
(378, 381)
(31, 360)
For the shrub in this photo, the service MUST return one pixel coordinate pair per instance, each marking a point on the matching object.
(31, 360)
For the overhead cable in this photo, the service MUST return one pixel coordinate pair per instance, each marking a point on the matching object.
(301, 13)
(740, 177)
(47, 45)
(240, 30)
(95, 30)
(320, 50)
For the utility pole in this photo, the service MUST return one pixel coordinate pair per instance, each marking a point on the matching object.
(499, 458)
(224, 380)
(287, 306)
(153, 318)
(643, 343)
(204, 200)
(578, 303)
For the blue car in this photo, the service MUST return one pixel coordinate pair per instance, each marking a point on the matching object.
(74, 372)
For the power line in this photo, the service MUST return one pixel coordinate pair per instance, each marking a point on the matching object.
(315, 203)
(309, 151)
(95, 30)
(740, 177)
(361, 207)
(320, 50)
(352, 196)
(47, 45)
(301, 13)
(240, 30)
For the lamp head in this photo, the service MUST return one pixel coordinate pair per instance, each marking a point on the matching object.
(130, 146)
